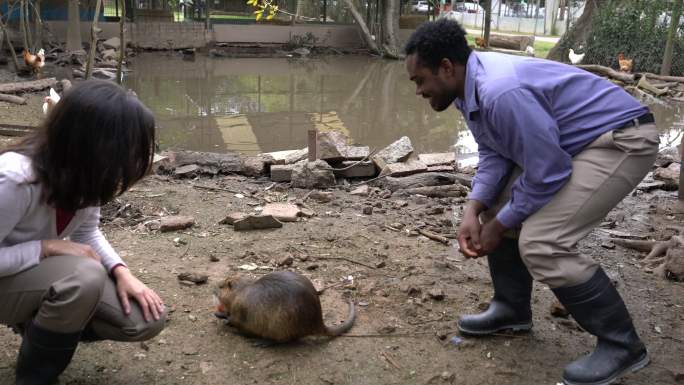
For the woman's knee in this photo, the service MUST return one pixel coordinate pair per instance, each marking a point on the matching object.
(90, 276)
(144, 331)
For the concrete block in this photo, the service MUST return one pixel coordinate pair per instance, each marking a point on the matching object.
(411, 166)
(281, 172)
(437, 159)
(358, 170)
(395, 152)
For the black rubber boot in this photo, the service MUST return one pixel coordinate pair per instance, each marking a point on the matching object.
(510, 307)
(44, 355)
(597, 306)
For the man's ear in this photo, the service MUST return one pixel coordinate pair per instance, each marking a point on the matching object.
(447, 66)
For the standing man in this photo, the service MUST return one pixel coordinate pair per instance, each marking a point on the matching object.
(558, 149)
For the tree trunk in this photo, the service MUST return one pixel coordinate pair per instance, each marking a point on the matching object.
(390, 28)
(122, 46)
(579, 32)
(22, 22)
(38, 34)
(669, 46)
(9, 44)
(93, 40)
(74, 28)
(487, 21)
(365, 32)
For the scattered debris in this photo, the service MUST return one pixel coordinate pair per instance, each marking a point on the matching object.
(395, 152)
(558, 310)
(437, 294)
(316, 174)
(257, 222)
(173, 223)
(197, 279)
(232, 218)
(362, 190)
(284, 212)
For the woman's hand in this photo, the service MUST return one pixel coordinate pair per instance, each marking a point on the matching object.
(127, 286)
(52, 247)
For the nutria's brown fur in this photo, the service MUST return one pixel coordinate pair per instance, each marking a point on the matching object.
(281, 306)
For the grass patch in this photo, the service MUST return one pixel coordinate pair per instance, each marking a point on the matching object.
(541, 48)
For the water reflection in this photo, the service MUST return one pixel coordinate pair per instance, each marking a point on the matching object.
(255, 105)
(260, 105)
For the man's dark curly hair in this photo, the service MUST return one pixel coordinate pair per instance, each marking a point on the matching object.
(436, 40)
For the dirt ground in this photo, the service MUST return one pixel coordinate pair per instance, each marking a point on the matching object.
(404, 330)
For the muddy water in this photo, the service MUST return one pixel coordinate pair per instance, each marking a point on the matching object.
(260, 105)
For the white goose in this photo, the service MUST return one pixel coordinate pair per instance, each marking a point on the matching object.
(575, 58)
(50, 101)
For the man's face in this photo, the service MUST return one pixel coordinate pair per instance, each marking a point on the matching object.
(441, 87)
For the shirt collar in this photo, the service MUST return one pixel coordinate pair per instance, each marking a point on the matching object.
(469, 106)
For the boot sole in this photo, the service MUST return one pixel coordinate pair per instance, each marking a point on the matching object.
(514, 328)
(645, 360)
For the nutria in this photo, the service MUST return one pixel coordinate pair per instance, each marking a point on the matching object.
(281, 307)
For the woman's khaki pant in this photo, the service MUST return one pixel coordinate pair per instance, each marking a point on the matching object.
(64, 294)
(602, 175)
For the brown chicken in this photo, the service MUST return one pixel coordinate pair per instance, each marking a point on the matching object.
(34, 62)
(625, 64)
(480, 42)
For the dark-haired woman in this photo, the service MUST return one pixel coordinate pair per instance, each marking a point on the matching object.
(96, 142)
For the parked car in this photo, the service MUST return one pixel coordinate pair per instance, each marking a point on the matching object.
(421, 6)
(467, 7)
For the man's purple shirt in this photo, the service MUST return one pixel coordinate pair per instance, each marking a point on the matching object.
(536, 114)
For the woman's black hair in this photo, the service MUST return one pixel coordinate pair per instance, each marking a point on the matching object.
(436, 40)
(95, 143)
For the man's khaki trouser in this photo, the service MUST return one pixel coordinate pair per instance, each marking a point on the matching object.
(65, 294)
(602, 175)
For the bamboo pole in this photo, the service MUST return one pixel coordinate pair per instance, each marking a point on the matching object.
(9, 42)
(122, 45)
(93, 40)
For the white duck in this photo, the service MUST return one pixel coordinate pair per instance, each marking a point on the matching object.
(575, 58)
(50, 101)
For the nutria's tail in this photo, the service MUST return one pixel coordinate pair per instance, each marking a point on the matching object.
(337, 330)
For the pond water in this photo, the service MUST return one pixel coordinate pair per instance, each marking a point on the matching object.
(262, 105)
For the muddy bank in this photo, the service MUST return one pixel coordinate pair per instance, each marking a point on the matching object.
(409, 291)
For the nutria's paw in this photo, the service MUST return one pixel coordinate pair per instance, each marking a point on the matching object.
(221, 316)
(262, 343)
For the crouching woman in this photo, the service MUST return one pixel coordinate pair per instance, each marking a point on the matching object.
(95, 143)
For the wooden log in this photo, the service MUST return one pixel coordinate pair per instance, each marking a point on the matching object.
(518, 43)
(30, 86)
(207, 162)
(452, 190)
(433, 236)
(678, 79)
(7, 129)
(608, 72)
(12, 99)
(416, 180)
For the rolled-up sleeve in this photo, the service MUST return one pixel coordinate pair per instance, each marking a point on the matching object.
(532, 139)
